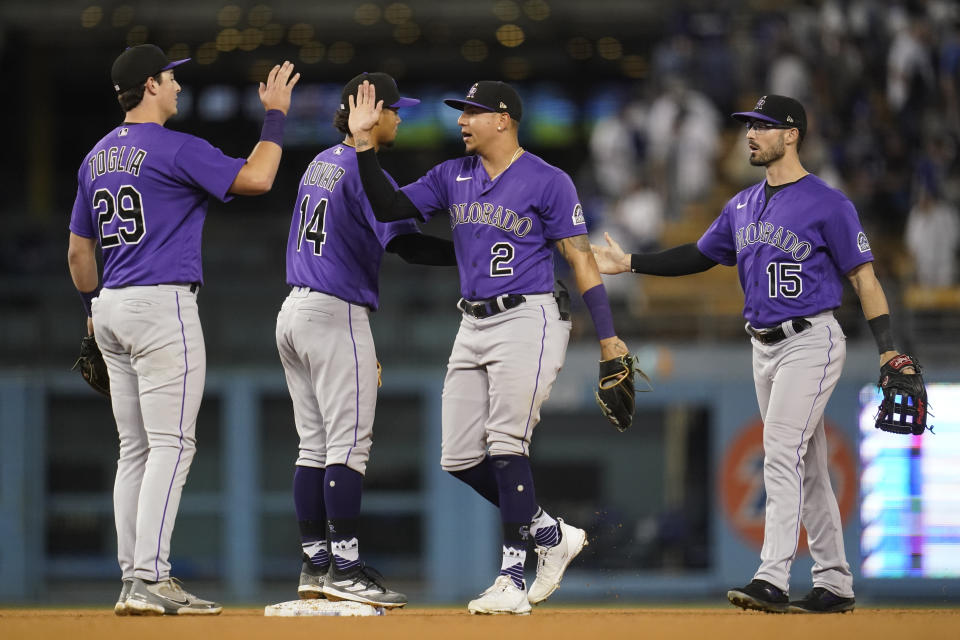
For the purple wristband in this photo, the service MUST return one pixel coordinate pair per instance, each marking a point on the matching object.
(596, 300)
(87, 298)
(272, 130)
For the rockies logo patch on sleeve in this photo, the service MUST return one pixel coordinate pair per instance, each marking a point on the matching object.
(862, 242)
(578, 215)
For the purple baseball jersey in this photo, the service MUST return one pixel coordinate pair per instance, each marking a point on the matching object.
(143, 193)
(336, 243)
(502, 228)
(792, 253)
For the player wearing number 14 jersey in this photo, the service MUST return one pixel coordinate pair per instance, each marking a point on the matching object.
(334, 252)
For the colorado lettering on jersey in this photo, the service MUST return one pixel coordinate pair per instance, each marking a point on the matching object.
(493, 215)
(764, 232)
(325, 175)
(117, 160)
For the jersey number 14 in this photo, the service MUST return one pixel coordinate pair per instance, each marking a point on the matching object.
(312, 230)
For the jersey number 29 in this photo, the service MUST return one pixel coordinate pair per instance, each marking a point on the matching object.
(312, 230)
(129, 206)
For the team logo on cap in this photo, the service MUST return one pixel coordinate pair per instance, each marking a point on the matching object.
(502, 106)
(789, 118)
(760, 103)
(473, 91)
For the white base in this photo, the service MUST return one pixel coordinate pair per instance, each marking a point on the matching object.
(321, 607)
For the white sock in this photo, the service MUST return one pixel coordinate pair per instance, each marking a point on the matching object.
(512, 565)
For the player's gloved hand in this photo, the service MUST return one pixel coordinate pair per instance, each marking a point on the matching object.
(615, 392)
(904, 405)
(92, 367)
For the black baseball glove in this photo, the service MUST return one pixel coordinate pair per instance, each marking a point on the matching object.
(904, 405)
(615, 392)
(92, 367)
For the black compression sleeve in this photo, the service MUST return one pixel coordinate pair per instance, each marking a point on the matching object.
(678, 261)
(388, 203)
(417, 248)
(882, 333)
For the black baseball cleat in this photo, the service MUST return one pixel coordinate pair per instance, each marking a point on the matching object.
(759, 595)
(822, 600)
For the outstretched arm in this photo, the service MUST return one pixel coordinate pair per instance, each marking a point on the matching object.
(417, 248)
(678, 261)
(257, 175)
(576, 251)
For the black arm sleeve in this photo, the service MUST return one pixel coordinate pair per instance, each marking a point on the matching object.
(388, 204)
(417, 248)
(678, 261)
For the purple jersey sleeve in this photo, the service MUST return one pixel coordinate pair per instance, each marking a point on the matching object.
(562, 214)
(81, 222)
(718, 242)
(428, 194)
(845, 237)
(200, 164)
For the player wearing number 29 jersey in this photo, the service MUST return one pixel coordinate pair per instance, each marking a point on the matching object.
(143, 191)
(142, 195)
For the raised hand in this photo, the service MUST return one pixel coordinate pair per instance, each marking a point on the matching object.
(364, 110)
(275, 94)
(611, 259)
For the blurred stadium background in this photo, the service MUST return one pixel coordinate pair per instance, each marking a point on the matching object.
(628, 96)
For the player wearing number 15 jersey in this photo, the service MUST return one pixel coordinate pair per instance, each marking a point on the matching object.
(793, 240)
(142, 195)
(334, 252)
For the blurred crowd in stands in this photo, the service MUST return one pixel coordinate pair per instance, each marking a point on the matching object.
(881, 84)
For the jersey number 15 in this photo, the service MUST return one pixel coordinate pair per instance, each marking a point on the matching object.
(783, 279)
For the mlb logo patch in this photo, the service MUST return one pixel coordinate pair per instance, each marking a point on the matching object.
(338, 151)
(862, 243)
(578, 215)
(124, 131)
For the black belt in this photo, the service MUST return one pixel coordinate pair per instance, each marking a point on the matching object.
(777, 334)
(490, 307)
(194, 286)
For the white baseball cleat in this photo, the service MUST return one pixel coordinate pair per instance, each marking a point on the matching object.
(553, 561)
(502, 597)
(120, 608)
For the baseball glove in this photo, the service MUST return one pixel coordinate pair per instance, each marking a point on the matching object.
(615, 392)
(904, 405)
(92, 367)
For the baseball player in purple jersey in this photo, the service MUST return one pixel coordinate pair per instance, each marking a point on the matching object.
(323, 334)
(142, 196)
(793, 239)
(507, 208)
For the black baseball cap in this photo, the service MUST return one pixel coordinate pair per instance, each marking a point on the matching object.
(386, 88)
(136, 64)
(491, 95)
(777, 110)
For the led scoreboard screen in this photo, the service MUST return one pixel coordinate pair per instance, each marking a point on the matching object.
(910, 491)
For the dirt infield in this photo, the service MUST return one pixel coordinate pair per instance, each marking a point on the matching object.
(456, 624)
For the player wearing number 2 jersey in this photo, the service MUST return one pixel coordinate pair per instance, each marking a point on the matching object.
(508, 209)
(793, 239)
(142, 195)
(323, 334)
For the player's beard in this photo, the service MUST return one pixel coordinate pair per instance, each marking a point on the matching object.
(771, 155)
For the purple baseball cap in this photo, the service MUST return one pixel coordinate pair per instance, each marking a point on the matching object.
(775, 109)
(136, 64)
(491, 95)
(386, 88)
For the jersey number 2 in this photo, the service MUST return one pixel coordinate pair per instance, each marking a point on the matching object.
(312, 230)
(784, 279)
(502, 255)
(129, 206)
